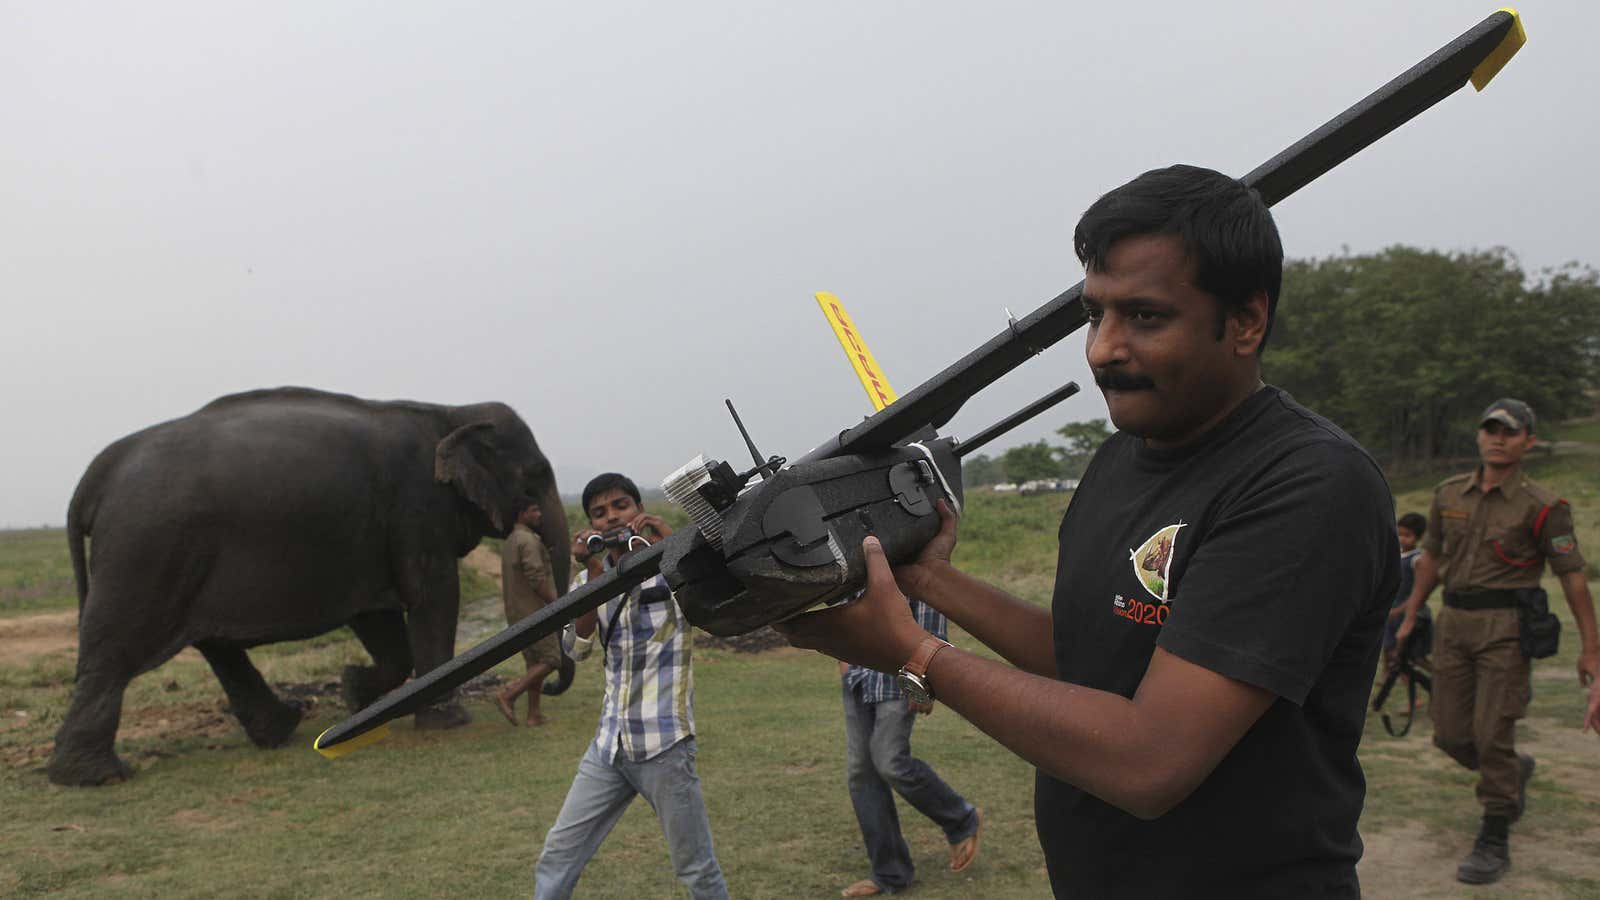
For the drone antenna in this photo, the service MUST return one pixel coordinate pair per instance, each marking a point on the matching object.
(764, 468)
(754, 453)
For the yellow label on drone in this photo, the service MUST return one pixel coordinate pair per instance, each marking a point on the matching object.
(1497, 58)
(872, 378)
(352, 745)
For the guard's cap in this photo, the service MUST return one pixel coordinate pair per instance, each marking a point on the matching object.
(1513, 414)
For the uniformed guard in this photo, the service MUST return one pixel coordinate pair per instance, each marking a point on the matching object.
(1489, 536)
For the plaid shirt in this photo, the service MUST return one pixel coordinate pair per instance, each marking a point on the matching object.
(649, 702)
(872, 686)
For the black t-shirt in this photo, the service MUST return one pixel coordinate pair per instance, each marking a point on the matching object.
(1265, 551)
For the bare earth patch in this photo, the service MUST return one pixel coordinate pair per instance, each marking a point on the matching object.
(26, 638)
(1419, 862)
(484, 561)
(148, 731)
(200, 820)
(1409, 863)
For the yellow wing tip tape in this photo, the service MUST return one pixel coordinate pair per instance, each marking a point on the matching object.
(352, 745)
(855, 349)
(1495, 61)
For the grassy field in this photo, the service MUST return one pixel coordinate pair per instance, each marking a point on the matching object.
(35, 571)
(463, 812)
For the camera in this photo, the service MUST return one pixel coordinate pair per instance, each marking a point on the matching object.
(616, 537)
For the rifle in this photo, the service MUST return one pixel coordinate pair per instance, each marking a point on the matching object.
(1407, 654)
(782, 537)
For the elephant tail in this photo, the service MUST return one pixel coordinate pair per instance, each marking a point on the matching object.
(80, 518)
(77, 529)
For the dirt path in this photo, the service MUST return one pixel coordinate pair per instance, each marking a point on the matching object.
(1416, 862)
(26, 638)
(485, 562)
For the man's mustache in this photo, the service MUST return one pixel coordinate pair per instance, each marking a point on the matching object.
(1110, 380)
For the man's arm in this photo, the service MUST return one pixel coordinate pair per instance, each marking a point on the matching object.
(1143, 755)
(1017, 630)
(583, 626)
(534, 561)
(1576, 587)
(1425, 571)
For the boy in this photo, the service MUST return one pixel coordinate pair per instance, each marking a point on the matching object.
(1409, 529)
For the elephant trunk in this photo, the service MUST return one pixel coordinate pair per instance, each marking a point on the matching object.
(553, 531)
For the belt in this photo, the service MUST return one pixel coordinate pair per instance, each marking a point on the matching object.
(1500, 599)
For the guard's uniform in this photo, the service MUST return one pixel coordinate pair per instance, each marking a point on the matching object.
(1488, 545)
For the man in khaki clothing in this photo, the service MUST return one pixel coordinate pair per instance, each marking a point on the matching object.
(526, 585)
(1489, 535)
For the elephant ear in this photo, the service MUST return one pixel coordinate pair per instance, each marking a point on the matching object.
(456, 462)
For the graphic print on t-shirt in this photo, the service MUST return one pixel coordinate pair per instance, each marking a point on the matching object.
(1152, 562)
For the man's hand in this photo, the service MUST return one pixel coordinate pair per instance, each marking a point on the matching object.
(1405, 629)
(1396, 612)
(594, 562)
(876, 630)
(1589, 675)
(934, 558)
(1591, 719)
(920, 709)
(580, 544)
(652, 522)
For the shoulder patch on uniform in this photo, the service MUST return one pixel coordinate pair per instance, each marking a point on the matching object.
(1564, 544)
(1541, 493)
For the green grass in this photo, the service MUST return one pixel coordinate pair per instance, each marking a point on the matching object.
(463, 812)
(35, 571)
(1586, 430)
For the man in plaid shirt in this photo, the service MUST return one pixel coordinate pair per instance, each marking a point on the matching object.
(645, 742)
(878, 717)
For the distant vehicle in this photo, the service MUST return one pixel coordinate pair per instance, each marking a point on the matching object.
(1047, 485)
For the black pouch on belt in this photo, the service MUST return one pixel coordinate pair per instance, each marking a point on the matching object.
(1541, 630)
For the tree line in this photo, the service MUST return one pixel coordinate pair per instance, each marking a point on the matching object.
(1402, 349)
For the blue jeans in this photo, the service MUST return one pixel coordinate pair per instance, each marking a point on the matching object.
(878, 750)
(599, 796)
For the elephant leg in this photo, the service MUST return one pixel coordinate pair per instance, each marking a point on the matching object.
(84, 753)
(267, 720)
(431, 616)
(120, 635)
(383, 633)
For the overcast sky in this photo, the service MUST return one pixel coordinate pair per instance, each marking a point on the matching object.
(613, 216)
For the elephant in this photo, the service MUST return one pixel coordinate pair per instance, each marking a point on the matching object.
(277, 515)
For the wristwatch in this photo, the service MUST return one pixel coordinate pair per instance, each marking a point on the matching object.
(913, 676)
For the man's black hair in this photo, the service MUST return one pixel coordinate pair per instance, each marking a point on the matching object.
(1225, 227)
(520, 504)
(1415, 523)
(609, 481)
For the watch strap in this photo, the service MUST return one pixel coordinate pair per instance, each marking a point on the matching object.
(923, 656)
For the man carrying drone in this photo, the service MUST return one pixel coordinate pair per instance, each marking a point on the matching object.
(1225, 569)
(1194, 696)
